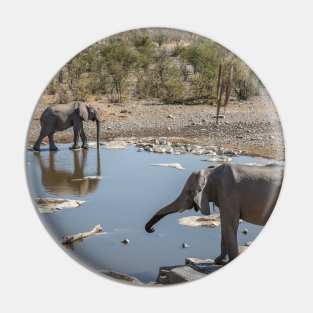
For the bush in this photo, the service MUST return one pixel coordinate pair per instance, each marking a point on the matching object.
(163, 80)
(245, 82)
(119, 59)
(152, 63)
(62, 95)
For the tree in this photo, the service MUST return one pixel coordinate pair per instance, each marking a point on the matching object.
(119, 59)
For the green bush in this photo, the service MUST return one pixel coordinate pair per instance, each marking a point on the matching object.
(151, 63)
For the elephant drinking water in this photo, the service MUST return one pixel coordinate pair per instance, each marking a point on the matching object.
(63, 116)
(240, 191)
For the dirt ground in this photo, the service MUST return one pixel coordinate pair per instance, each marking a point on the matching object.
(251, 126)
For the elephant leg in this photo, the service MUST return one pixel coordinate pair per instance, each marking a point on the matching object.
(41, 136)
(223, 257)
(52, 145)
(83, 138)
(76, 138)
(229, 243)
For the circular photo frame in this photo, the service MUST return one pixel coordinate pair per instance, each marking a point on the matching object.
(155, 156)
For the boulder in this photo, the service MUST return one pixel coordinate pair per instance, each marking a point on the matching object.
(178, 274)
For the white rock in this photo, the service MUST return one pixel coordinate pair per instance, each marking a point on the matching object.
(209, 221)
(116, 145)
(51, 205)
(173, 165)
(219, 159)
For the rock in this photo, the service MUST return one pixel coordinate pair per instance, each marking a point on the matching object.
(211, 152)
(198, 151)
(123, 111)
(93, 144)
(169, 150)
(140, 149)
(178, 274)
(206, 266)
(173, 165)
(159, 149)
(219, 116)
(209, 221)
(162, 141)
(185, 245)
(219, 159)
(51, 205)
(116, 145)
(229, 152)
(125, 241)
(123, 277)
(148, 149)
(193, 269)
(196, 261)
(245, 231)
(188, 147)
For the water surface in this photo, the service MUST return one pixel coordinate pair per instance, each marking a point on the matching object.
(130, 192)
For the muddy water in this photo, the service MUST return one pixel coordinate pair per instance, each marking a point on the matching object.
(128, 194)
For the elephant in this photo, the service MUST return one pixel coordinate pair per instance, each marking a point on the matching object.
(244, 192)
(60, 181)
(63, 116)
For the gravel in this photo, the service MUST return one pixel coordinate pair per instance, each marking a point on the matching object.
(251, 126)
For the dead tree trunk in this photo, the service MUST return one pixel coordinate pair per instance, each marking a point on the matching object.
(228, 86)
(218, 81)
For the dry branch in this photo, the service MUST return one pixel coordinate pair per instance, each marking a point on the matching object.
(80, 236)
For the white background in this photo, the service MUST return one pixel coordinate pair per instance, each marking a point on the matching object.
(274, 38)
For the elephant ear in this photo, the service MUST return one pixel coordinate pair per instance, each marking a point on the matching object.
(201, 197)
(82, 109)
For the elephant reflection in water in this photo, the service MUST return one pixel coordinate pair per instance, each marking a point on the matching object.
(64, 182)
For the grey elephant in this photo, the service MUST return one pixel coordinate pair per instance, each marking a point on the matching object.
(63, 116)
(240, 191)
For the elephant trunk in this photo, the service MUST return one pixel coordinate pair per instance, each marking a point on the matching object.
(98, 163)
(169, 209)
(98, 132)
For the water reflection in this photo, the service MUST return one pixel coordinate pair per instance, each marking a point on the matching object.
(64, 181)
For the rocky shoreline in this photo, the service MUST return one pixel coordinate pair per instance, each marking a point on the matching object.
(252, 127)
